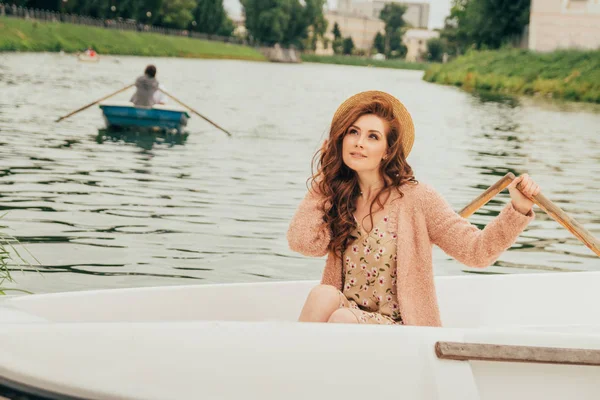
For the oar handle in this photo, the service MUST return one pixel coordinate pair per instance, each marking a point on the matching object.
(543, 203)
(486, 196)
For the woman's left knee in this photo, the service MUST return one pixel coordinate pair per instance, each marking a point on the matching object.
(342, 316)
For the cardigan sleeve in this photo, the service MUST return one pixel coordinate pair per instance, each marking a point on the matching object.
(465, 242)
(308, 233)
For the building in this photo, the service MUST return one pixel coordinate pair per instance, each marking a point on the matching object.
(564, 24)
(360, 21)
(361, 29)
(417, 14)
(415, 41)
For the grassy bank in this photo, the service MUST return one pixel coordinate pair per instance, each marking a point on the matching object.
(26, 35)
(363, 62)
(568, 75)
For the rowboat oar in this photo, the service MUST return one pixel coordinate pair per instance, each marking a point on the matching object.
(486, 196)
(542, 202)
(195, 112)
(95, 102)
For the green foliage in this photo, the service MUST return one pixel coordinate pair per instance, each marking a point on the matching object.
(211, 18)
(348, 45)
(316, 20)
(435, 50)
(20, 35)
(9, 255)
(484, 24)
(177, 13)
(145, 11)
(363, 62)
(571, 75)
(338, 46)
(379, 43)
(396, 47)
(392, 15)
(284, 21)
(337, 34)
(227, 27)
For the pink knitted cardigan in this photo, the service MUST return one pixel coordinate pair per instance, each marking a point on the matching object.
(421, 218)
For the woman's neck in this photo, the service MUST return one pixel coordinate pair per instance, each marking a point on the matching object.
(370, 184)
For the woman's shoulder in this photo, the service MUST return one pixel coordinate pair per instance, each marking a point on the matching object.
(417, 190)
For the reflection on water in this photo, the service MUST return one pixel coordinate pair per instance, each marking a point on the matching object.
(500, 98)
(144, 138)
(114, 209)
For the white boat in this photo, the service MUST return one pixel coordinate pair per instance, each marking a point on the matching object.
(88, 58)
(241, 341)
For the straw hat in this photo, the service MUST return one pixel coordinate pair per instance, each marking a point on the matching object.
(407, 128)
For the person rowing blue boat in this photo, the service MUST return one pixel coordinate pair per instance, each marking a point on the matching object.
(146, 85)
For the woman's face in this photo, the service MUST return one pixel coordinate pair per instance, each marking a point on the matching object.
(365, 144)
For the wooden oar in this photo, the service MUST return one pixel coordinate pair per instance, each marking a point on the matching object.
(95, 102)
(542, 202)
(486, 196)
(195, 112)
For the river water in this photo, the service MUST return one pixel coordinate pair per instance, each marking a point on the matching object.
(101, 211)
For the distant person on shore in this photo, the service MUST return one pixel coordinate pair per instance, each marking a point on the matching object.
(146, 86)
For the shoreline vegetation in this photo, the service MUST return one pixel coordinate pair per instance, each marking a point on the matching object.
(364, 62)
(570, 75)
(34, 36)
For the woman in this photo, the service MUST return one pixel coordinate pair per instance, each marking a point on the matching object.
(366, 210)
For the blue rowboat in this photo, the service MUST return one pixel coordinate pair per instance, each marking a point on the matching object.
(125, 114)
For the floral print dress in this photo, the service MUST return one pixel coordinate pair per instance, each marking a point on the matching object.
(369, 290)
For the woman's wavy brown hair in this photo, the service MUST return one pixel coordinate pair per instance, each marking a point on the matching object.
(339, 184)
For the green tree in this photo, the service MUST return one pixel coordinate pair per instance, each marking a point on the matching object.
(92, 8)
(227, 27)
(454, 33)
(379, 43)
(435, 50)
(177, 13)
(297, 27)
(348, 45)
(338, 46)
(266, 20)
(337, 34)
(485, 23)
(211, 18)
(283, 21)
(146, 11)
(392, 15)
(317, 22)
(51, 5)
(396, 48)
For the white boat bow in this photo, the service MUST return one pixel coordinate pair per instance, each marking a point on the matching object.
(241, 340)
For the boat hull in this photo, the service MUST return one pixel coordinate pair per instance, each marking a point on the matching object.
(127, 115)
(241, 340)
(86, 58)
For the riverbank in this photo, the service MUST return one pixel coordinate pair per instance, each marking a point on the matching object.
(29, 35)
(364, 62)
(569, 75)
